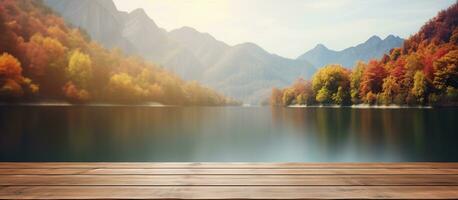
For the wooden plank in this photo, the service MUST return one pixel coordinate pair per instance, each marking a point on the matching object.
(228, 180)
(42, 171)
(245, 192)
(10, 165)
(110, 171)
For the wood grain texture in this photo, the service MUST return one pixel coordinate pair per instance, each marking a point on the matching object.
(228, 180)
(111, 171)
(205, 192)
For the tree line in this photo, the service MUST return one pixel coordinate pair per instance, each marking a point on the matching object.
(424, 71)
(41, 57)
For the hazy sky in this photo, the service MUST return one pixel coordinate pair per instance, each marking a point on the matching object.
(291, 27)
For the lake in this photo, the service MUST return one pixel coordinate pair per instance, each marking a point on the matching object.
(219, 134)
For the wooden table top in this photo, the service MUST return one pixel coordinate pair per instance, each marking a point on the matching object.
(228, 180)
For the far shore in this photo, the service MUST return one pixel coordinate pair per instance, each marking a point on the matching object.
(106, 104)
(64, 103)
(157, 104)
(361, 106)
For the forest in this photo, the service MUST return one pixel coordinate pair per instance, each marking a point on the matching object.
(424, 71)
(42, 58)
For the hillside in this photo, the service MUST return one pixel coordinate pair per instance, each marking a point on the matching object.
(102, 22)
(191, 54)
(42, 58)
(424, 71)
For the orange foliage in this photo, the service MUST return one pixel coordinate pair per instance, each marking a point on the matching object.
(372, 79)
(68, 65)
(10, 68)
(423, 71)
(74, 94)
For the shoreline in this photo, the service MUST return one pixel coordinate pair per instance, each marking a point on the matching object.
(156, 104)
(363, 106)
(67, 104)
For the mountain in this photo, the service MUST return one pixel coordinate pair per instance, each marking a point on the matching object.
(127, 31)
(374, 47)
(99, 18)
(203, 45)
(244, 71)
(155, 44)
(256, 70)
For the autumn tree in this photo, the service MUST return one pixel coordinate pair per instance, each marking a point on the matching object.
(327, 83)
(446, 71)
(67, 64)
(276, 97)
(44, 54)
(10, 76)
(355, 81)
(75, 94)
(123, 88)
(79, 69)
(413, 65)
(372, 81)
(419, 89)
(12, 83)
(288, 97)
(423, 71)
(304, 92)
(390, 90)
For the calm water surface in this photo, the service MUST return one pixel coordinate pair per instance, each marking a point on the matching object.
(185, 134)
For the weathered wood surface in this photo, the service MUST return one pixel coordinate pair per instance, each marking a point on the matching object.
(228, 180)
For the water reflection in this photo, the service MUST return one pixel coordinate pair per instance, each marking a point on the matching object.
(188, 134)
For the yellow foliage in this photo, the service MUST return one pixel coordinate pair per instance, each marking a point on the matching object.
(80, 68)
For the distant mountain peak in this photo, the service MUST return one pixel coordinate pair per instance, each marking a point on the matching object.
(320, 47)
(139, 11)
(250, 45)
(109, 4)
(187, 29)
(139, 15)
(374, 38)
(374, 47)
(393, 37)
